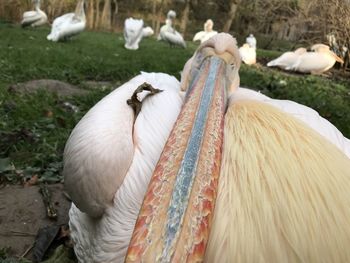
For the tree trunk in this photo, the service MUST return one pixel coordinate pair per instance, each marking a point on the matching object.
(185, 16)
(97, 17)
(231, 15)
(159, 17)
(90, 16)
(106, 15)
(115, 14)
(154, 13)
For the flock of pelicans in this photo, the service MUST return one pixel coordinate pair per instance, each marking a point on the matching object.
(206, 170)
(317, 61)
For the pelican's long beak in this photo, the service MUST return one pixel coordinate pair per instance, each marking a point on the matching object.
(338, 59)
(175, 218)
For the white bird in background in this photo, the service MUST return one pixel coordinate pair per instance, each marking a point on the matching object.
(287, 59)
(207, 33)
(112, 152)
(133, 33)
(169, 34)
(248, 54)
(317, 62)
(251, 40)
(68, 25)
(34, 18)
(147, 31)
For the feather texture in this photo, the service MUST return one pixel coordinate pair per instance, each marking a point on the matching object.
(283, 191)
(106, 239)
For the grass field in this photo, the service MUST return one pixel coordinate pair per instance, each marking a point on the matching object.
(35, 127)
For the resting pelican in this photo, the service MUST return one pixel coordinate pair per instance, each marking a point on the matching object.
(34, 18)
(283, 191)
(207, 33)
(287, 59)
(317, 62)
(251, 40)
(169, 34)
(147, 31)
(68, 25)
(248, 54)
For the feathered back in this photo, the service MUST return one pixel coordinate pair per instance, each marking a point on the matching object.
(108, 148)
(147, 31)
(300, 51)
(283, 192)
(101, 148)
(133, 24)
(319, 47)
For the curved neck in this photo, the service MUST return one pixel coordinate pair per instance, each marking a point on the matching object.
(79, 9)
(37, 5)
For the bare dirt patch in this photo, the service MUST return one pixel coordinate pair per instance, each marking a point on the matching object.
(55, 86)
(22, 213)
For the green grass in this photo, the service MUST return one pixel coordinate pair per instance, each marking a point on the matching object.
(26, 54)
(35, 127)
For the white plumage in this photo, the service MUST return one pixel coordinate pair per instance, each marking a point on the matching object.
(110, 157)
(251, 41)
(169, 34)
(133, 33)
(207, 33)
(248, 54)
(317, 62)
(34, 18)
(147, 31)
(108, 136)
(68, 25)
(287, 59)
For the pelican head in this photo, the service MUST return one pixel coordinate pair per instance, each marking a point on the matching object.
(319, 47)
(171, 14)
(36, 3)
(222, 45)
(208, 25)
(322, 48)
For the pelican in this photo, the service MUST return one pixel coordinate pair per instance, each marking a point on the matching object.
(271, 177)
(248, 54)
(251, 40)
(169, 34)
(287, 59)
(147, 31)
(317, 62)
(68, 25)
(133, 33)
(208, 32)
(34, 18)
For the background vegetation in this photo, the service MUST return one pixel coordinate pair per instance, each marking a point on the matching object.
(297, 21)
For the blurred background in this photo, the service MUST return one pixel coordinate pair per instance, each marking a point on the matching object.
(278, 24)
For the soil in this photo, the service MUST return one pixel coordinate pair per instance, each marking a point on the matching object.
(61, 88)
(22, 213)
